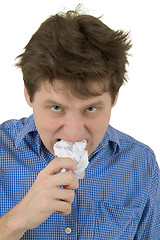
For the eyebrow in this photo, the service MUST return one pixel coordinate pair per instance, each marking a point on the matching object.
(52, 102)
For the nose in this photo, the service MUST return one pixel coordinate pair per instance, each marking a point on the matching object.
(74, 128)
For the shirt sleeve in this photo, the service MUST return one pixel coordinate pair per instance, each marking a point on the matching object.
(149, 226)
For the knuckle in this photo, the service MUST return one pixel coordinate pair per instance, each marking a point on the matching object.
(70, 176)
(76, 183)
(65, 210)
(69, 160)
(71, 195)
(68, 208)
(55, 162)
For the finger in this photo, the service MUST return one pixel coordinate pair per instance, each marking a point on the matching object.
(63, 208)
(57, 164)
(67, 179)
(66, 195)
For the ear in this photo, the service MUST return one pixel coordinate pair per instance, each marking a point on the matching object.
(27, 97)
(115, 101)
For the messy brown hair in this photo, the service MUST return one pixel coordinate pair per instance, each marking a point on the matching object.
(78, 49)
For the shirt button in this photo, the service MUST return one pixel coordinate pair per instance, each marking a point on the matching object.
(68, 230)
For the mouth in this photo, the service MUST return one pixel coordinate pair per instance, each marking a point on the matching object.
(86, 148)
(59, 139)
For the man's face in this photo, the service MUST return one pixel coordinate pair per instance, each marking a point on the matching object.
(60, 115)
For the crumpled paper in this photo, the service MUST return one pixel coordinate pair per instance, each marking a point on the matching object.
(74, 151)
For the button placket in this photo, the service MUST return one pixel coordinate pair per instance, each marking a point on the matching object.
(70, 228)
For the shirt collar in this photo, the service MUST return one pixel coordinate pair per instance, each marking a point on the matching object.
(27, 127)
(111, 138)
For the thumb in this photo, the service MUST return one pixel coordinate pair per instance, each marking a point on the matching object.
(57, 164)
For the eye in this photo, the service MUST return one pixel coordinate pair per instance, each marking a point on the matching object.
(91, 109)
(56, 108)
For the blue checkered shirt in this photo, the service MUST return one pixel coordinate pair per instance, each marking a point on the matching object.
(119, 197)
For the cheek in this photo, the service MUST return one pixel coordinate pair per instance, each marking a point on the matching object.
(46, 128)
(100, 126)
(99, 131)
(102, 122)
(43, 122)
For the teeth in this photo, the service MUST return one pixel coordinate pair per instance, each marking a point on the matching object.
(59, 139)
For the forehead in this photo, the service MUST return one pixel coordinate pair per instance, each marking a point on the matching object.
(60, 93)
(78, 89)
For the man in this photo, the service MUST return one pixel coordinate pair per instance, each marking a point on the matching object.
(73, 68)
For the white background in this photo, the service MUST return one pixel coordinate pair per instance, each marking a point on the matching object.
(137, 112)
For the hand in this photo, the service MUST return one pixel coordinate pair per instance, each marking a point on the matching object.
(45, 196)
